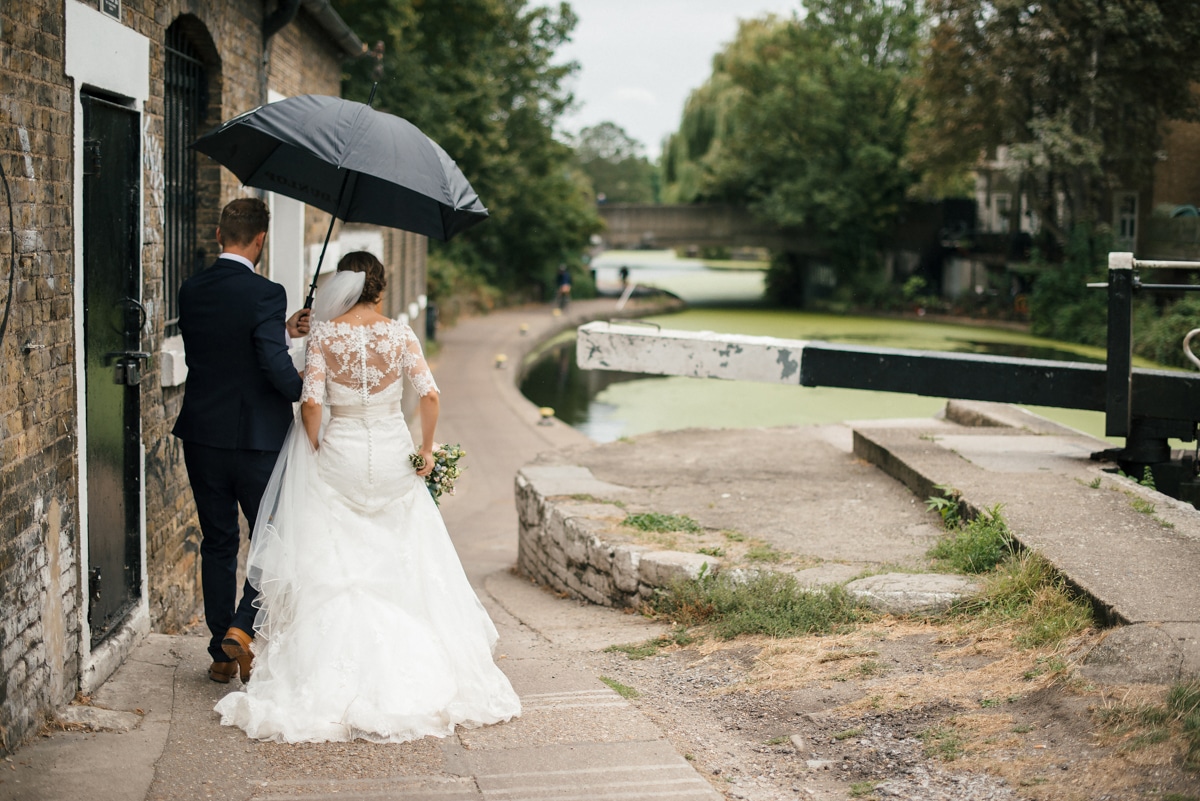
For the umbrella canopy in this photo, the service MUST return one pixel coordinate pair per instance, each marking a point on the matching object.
(346, 158)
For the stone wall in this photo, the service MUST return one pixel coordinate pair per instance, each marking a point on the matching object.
(568, 541)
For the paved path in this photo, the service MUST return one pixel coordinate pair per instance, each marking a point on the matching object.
(577, 738)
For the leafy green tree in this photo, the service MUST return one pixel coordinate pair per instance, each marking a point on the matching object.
(806, 123)
(615, 163)
(478, 77)
(1079, 91)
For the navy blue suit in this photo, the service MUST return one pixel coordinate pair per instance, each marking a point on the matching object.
(237, 406)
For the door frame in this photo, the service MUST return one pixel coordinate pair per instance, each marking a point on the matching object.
(104, 55)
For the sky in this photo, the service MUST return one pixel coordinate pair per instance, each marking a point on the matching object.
(640, 59)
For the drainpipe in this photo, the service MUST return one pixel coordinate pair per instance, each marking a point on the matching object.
(285, 11)
(279, 19)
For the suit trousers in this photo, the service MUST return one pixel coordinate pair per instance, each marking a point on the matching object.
(222, 480)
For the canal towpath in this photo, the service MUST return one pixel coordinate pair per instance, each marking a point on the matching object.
(577, 737)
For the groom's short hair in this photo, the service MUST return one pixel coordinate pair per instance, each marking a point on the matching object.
(243, 219)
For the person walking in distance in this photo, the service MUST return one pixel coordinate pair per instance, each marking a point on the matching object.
(563, 281)
(237, 406)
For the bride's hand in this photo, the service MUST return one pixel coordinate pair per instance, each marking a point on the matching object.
(427, 467)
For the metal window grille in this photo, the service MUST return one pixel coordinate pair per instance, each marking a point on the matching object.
(185, 103)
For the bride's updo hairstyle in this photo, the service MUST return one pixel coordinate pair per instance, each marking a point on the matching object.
(361, 261)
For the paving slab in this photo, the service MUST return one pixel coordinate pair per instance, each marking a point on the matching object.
(643, 770)
(912, 593)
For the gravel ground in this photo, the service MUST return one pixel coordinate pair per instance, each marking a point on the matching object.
(848, 733)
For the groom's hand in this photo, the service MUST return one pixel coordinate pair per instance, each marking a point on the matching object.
(297, 324)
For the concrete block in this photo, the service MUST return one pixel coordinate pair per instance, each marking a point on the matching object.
(552, 480)
(626, 559)
(660, 568)
(913, 593)
(1145, 653)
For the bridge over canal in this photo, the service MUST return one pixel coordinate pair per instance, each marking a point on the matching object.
(636, 225)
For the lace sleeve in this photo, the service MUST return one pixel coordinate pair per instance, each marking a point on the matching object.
(415, 366)
(314, 370)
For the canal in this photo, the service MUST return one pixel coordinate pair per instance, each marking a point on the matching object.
(607, 406)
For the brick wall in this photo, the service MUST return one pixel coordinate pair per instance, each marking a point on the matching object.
(226, 36)
(40, 592)
(39, 532)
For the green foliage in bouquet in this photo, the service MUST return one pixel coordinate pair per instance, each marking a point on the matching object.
(445, 470)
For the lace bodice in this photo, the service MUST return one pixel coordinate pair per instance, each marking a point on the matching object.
(363, 364)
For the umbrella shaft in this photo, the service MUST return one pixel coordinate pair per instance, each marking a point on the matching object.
(312, 289)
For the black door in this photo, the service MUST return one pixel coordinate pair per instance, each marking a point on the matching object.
(112, 323)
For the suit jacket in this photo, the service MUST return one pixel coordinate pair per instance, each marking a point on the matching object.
(241, 382)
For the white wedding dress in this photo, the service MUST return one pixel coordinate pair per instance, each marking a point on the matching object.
(367, 627)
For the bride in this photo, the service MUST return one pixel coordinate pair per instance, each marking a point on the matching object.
(367, 627)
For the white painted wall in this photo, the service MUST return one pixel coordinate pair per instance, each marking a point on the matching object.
(285, 252)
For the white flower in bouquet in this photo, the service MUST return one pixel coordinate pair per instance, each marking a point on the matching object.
(445, 469)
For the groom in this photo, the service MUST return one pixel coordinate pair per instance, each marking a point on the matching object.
(237, 406)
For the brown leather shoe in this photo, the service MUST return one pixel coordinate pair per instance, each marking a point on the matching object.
(223, 671)
(237, 646)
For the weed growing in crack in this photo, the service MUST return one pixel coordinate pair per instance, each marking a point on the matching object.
(1026, 589)
(948, 505)
(976, 546)
(623, 690)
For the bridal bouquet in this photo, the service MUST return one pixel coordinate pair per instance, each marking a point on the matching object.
(445, 469)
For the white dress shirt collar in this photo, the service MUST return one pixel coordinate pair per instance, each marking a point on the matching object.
(238, 259)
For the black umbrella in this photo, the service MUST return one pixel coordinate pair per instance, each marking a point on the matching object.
(346, 158)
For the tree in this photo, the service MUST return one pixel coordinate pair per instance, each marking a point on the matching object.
(1078, 91)
(477, 77)
(806, 123)
(614, 162)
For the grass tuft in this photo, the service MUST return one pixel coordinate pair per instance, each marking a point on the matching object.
(1179, 713)
(763, 553)
(1183, 699)
(943, 742)
(976, 546)
(1026, 589)
(773, 604)
(661, 523)
(641, 650)
(623, 690)
(862, 789)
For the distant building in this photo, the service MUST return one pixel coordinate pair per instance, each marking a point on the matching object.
(110, 211)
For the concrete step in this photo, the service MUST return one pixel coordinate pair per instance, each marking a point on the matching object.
(1135, 551)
